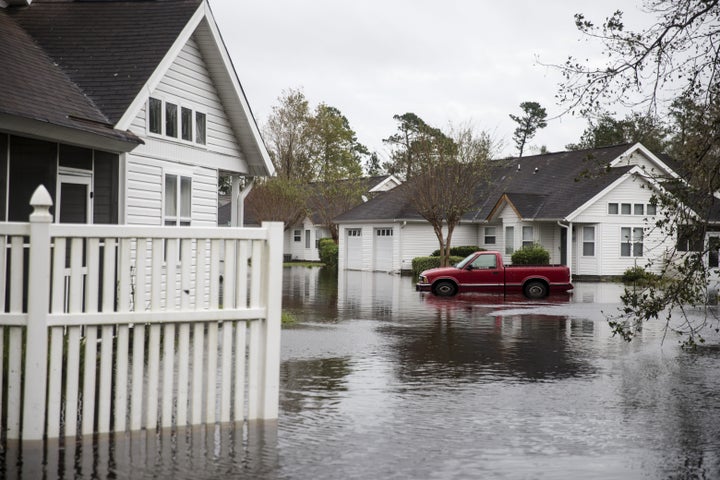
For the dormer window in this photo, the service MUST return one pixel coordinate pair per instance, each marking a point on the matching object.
(176, 121)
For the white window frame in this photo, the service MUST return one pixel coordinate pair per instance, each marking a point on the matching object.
(178, 219)
(354, 232)
(525, 241)
(488, 234)
(509, 240)
(297, 235)
(588, 240)
(615, 206)
(178, 123)
(629, 236)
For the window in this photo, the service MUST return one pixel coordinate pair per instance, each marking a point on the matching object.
(625, 208)
(690, 238)
(354, 232)
(639, 209)
(297, 235)
(527, 237)
(178, 200)
(588, 241)
(384, 232)
(155, 115)
(200, 128)
(651, 209)
(485, 262)
(631, 242)
(307, 238)
(612, 208)
(173, 120)
(490, 236)
(186, 118)
(509, 240)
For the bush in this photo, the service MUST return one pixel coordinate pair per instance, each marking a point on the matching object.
(638, 274)
(534, 254)
(459, 251)
(424, 263)
(328, 252)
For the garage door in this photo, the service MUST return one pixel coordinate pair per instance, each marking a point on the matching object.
(353, 252)
(383, 249)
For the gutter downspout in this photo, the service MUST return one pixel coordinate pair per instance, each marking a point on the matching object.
(237, 211)
(568, 245)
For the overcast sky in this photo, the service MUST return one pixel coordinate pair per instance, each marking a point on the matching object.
(450, 61)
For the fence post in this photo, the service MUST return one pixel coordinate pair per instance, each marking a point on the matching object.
(273, 304)
(33, 427)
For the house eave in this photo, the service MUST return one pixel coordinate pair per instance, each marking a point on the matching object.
(112, 141)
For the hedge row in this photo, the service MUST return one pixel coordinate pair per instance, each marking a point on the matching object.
(423, 263)
(463, 251)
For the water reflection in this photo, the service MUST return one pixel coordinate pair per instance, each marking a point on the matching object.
(379, 381)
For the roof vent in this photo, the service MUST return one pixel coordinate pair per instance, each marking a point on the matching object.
(518, 167)
(536, 170)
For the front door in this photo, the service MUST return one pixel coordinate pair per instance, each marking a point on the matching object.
(73, 199)
(563, 246)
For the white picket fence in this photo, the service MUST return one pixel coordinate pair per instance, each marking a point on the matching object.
(115, 327)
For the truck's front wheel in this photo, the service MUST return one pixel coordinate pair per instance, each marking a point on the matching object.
(535, 289)
(444, 288)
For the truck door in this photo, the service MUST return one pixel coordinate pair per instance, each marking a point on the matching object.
(484, 274)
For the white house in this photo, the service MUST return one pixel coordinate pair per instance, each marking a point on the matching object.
(590, 209)
(128, 113)
(301, 240)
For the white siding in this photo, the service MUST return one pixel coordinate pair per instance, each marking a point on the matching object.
(145, 184)
(188, 83)
(608, 232)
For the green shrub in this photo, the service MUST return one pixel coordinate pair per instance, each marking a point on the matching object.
(424, 263)
(638, 274)
(534, 254)
(328, 252)
(463, 251)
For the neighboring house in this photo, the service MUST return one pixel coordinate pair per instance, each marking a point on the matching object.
(590, 209)
(301, 240)
(127, 112)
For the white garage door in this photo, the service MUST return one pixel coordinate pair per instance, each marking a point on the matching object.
(383, 249)
(353, 252)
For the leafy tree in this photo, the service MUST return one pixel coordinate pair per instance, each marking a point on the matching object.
(414, 142)
(447, 181)
(372, 166)
(671, 66)
(635, 127)
(287, 137)
(532, 120)
(277, 199)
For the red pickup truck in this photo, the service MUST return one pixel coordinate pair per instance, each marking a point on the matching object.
(485, 272)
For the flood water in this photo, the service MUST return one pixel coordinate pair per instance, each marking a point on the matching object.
(378, 381)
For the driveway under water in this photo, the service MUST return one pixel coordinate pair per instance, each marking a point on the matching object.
(378, 381)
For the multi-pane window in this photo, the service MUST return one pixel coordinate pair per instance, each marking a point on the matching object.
(354, 232)
(490, 237)
(173, 120)
(690, 238)
(384, 232)
(631, 209)
(178, 200)
(509, 240)
(297, 235)
(588, 241)
(631, 241)
(527, 237)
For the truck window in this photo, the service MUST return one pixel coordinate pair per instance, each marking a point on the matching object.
(485, 262)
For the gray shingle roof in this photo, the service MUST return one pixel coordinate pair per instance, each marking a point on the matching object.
(548, 186)
(108, 49)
